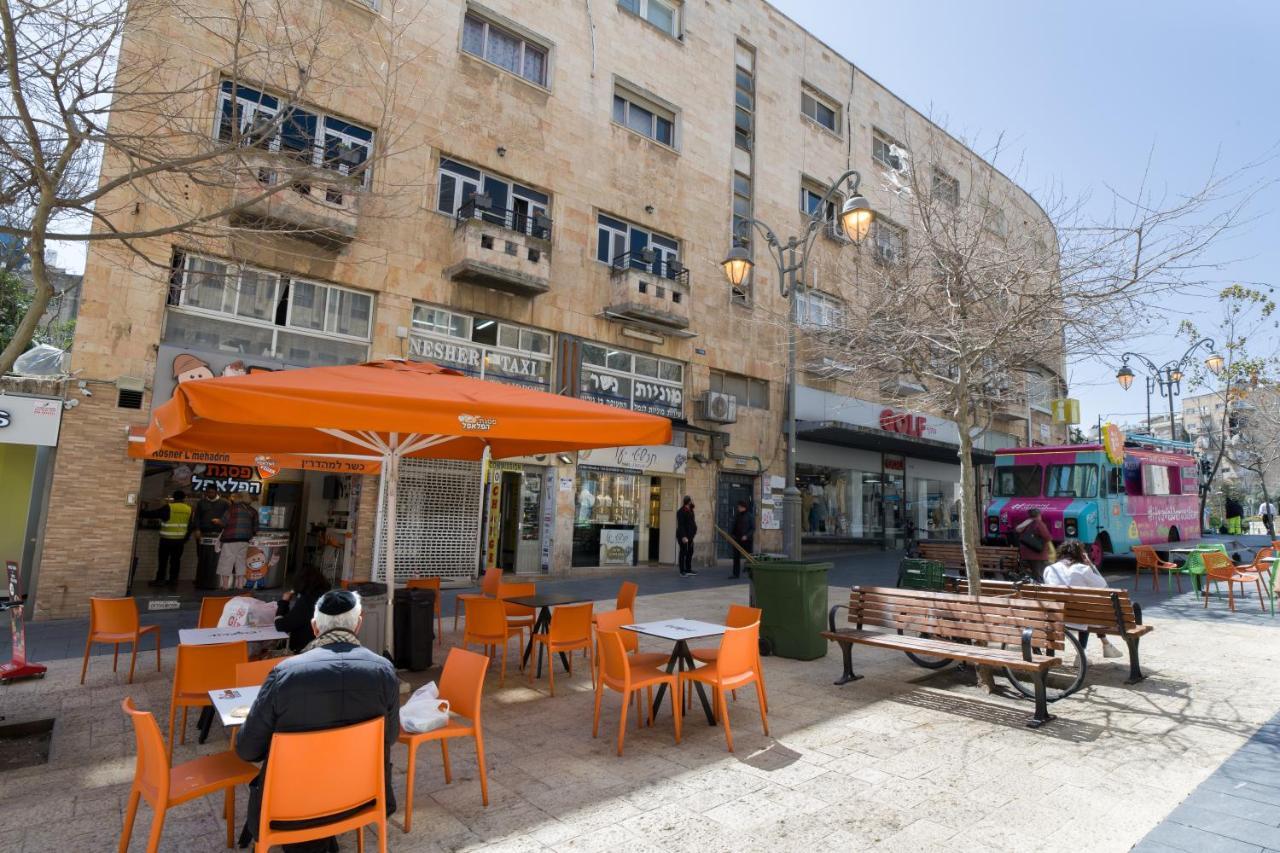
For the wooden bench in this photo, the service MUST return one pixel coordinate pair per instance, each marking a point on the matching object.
(1101, 611)
(956, 627)
(992, 559)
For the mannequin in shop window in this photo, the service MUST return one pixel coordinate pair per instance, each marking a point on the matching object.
(586, 504)
(818, 509)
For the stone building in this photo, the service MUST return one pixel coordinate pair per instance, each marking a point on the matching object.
(547, 200)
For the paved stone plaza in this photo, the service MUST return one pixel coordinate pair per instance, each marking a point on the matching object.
(905, 759)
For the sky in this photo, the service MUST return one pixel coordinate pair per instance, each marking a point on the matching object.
(1084, 93)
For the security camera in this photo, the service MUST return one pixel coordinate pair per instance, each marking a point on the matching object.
(84, 388)
(70, 404)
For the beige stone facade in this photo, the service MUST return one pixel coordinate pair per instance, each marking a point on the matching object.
(560, 140)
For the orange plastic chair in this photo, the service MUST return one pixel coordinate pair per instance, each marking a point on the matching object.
(254, 673)
(520, 616)
(488, 589)
(613, 620)
(1218, 567)
(164, 787)
(626, 598)
(115, 621)
(462, 684)
(431, 583)
(487, 626)
(736, 666)
(211, 610)
(1146, 559)
(312, 775)
(740, 616)
(570, 631)
(199, 670)
(1260, 564)
(617, 673)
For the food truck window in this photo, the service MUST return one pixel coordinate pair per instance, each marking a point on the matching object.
(1115, 476)
(1018, 481)
(1190, 486)
(1072, 481)
(1155, 480)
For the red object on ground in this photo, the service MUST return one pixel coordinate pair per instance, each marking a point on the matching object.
(18, 667)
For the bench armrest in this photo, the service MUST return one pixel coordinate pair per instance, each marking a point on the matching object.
(1137, 613)
(1026, 644)
(1119, 611)
(831, 616)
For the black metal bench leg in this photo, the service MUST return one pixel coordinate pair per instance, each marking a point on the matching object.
(846, 649)
(1042, 714)
(1135, 670)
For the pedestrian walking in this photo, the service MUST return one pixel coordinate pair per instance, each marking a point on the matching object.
(1267, 510)
(744, 528)
(686, 530)
(1035, 543)
(1235, 515)
(239, 525)
(175, 529)
(208, 524)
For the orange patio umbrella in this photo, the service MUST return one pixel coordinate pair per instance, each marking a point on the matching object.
(387, 410)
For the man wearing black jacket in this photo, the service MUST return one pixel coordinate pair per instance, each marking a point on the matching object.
(744, 528)
(334, 683)
(686, 529)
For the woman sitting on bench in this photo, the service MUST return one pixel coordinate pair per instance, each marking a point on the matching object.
(1074, 568)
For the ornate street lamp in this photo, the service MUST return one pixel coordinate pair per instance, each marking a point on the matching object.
(791, 258)
(1168, 376)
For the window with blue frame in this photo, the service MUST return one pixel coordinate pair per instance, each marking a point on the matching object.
(258, 119)
(510, 204)
(620, 243)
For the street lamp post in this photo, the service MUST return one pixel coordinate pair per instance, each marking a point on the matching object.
(1167, 377)
(791, 258)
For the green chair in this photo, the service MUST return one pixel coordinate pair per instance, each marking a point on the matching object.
(1194, 565)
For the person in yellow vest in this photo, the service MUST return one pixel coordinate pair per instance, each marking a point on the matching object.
(175, 528)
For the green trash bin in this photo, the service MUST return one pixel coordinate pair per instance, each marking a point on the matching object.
(793, 599)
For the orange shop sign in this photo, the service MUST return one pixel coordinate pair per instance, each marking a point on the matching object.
(276, 461)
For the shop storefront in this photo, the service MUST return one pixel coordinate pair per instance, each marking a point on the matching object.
(28, 435)
(872, 473)
(519, 514)
(625, 504)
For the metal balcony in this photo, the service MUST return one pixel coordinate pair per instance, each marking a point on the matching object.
(649, 289)
(505, 250)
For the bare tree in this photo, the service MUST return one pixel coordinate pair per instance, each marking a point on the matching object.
(1245, 311)
(114, 130)
(1256, 447)
(963, 289)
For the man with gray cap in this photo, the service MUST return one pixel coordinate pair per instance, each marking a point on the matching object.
(334, 682)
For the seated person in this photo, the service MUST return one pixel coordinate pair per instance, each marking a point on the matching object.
(335, 682)
(295, 609)
(1074, 568)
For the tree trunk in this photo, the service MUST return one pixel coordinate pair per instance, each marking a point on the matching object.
(26, 330)
(968, 493)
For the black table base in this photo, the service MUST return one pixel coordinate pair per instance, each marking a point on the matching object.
(680, 656)
(541, 625)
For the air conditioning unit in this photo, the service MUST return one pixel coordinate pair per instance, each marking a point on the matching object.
(719, 407)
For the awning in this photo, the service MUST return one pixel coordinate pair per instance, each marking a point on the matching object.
(884, 441)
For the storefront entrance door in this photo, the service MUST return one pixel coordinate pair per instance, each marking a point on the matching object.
(732, 488)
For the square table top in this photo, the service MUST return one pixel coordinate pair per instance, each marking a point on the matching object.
(677, 629)
(211, 636)
(225, 704)
(549, 599)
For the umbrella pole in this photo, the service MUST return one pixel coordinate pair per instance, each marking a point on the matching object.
(379, 520)
(391, 465)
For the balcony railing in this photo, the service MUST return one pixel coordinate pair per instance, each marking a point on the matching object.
(647, 260)
(537, 225)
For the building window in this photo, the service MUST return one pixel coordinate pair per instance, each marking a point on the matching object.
(663, 15)
(888, 241)
(505, 49)
(621, 244)
(257, 119)
(744, 99)
(509, 204)
(642, 383)
(1039, 391)
(820, 109)
(945, 187)
(636, 112)
(811, 193)
(817, 309)
(217, 305)
(886, 151)
(750, 392)
(742, 208)
(481, 347)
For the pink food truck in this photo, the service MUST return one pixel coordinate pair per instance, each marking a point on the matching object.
(1111, 496)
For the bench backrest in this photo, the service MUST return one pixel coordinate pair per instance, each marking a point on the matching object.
(953, 553)
(1081, 605)
(994, 620)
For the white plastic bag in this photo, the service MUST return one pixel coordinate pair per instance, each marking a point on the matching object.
(247, 611)
(40, 360)
(425, 711)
